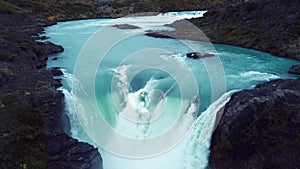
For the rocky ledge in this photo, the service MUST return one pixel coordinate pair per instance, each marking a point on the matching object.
(31, 130)
(269, 26)
(259, 128)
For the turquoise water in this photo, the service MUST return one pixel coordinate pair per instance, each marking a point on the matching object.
(142, 102)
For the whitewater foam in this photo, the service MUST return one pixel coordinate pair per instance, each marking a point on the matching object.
(122, 82)
(184, 14)
(74, 108)
(157, 22)
(259, 76)
(198, 141)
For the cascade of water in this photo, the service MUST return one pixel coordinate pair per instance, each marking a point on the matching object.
(190, 153)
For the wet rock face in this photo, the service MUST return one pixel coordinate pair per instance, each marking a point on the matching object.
(260, 128)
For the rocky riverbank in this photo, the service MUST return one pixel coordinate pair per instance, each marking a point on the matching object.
(31, 131)
(270, 26)
(260, 128)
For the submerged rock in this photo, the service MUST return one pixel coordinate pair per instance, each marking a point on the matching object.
(260, 128)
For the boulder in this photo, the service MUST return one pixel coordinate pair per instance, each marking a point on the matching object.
(197, 55)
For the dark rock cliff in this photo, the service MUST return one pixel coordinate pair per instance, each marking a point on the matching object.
(259, 129)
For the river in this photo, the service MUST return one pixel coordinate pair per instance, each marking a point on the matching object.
(139, 99)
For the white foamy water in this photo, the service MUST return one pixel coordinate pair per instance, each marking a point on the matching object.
(255, 75)
(190, 153)
(184, 14)
(157, 22)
